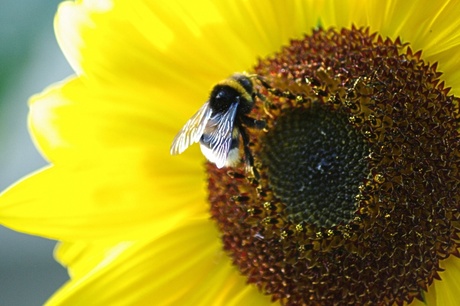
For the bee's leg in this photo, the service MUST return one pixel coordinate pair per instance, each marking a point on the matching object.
(248, 158)
(252, 123)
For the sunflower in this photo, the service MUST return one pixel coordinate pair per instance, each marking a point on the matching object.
(353, 193)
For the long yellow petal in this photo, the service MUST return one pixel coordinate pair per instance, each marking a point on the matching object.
(74, 119)
(447, 289)
(157, 272)
(125, 193)
(80, 258)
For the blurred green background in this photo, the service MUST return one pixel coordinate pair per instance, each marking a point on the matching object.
(30, 60)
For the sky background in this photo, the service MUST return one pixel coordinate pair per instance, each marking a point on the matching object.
(30, 60)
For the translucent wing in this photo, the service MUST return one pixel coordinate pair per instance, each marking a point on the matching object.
(192, 130)
(217, 139)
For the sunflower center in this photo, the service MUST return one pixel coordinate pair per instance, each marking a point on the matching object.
(357, 195)
(315, 163)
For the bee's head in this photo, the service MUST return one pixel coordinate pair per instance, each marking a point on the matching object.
(236, 89)
(222, 96)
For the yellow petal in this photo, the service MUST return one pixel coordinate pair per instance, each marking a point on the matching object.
(73, 119)
(150, 43)
(82, 257)
(125, 193)
(448, 288)
(160, 270)
(76, 13)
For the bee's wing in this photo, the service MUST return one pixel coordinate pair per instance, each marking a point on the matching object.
(218, 136)
(192, 130)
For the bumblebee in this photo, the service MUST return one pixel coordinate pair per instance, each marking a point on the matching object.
(220, 123)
